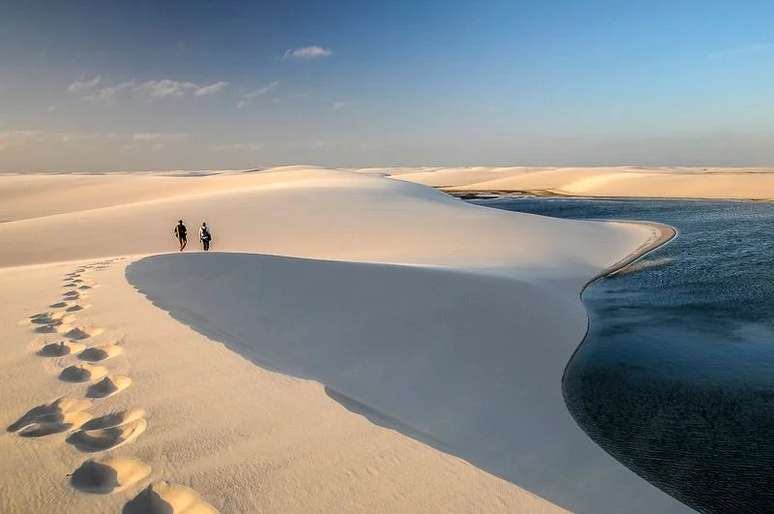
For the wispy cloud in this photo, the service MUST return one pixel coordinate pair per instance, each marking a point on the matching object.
(255, 93)
(111, 92)
(236, 147)
(75, 137)
(308, 52)
(159, 137)
(742, 50)
(79, 86)
(164, 88)
(212, 89)
(15, 138)
(337, 106)
(150, 89)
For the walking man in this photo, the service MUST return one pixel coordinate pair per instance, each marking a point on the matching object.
(204, 236)
(180, 234)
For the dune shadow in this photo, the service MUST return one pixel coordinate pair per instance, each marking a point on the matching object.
(450, 359)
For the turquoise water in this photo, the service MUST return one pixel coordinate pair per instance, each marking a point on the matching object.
(676, 376)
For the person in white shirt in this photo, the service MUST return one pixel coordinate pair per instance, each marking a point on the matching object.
(204, 236)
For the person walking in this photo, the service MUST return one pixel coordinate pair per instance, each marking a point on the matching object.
(205, 237)
(181, 234)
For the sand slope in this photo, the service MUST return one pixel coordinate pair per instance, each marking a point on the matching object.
(416, 330)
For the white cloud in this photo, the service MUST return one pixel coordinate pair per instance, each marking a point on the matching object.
(152, 89)
(308, 52)
(255, 93)
(337, 106)
(110, 92)
(157, 137)
(165, 87)
(80, 86)
(74, 137)
(212, 89)
(236, 147)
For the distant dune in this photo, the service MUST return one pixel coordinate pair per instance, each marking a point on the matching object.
(620, 181)
(354, 343)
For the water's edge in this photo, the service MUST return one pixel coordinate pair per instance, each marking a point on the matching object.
(667, 234)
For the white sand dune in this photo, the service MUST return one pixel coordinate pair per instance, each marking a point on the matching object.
(385, 347)
(620, 181)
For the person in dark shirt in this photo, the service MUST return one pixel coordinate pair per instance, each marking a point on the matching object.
(181, 234)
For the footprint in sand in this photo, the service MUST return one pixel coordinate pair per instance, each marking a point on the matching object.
(71, 295)
(100, 353)
(83, 373)
(162, 497)
(78, 333)
(60, 349)
(115, 419)
(47, 318)
(108, 438)
(108, 386)
(109, 475)
(59, 305)
(61, 415)
(76, 307)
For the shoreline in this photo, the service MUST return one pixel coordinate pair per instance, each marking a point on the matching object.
(547, 193)
(666, 234)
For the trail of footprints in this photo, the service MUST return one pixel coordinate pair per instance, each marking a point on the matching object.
(87, 367)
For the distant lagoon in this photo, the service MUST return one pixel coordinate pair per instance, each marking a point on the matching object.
(675, 378)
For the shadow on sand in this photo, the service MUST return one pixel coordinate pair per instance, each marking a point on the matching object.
(468, 364)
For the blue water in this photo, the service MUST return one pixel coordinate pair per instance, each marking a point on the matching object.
(676, 376)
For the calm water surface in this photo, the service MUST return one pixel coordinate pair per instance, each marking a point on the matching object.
(676, 376)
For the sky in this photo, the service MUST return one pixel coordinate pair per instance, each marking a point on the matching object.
(140, 85)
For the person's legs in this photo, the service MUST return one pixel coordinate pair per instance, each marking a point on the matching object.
(183, 242)
(206, 245)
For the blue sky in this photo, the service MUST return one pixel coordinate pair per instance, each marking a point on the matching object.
(95, 85)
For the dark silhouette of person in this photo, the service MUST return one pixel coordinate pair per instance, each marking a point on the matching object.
(205, 236)
(181, 234)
